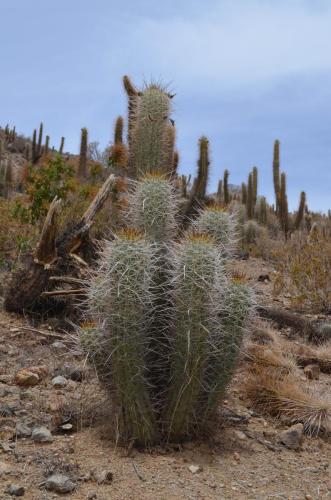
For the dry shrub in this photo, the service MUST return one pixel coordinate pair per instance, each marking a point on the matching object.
(303, 270)
(285, 399)
(272, 358)
(320, 356)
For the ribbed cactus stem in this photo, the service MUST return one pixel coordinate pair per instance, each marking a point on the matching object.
(224, 345)
(132, 94)
(169, 150)
(46, 150)
(118, 132)
(203, 169)
(175, 163)
(255, 184)
(283, 205)
(34, 146)
(153, 208)
(263, 212)
(219, 225)
(82, 163)
(61, 145)
(276, 173)
(301, 211)
(226, 187)
(148, 152)
(250, 197)
(196, 265)
(243, 193)
(219, 194)
(120, 299)
(40, 139)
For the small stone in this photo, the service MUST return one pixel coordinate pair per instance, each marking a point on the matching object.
(15, 490)
(312, 372)
(59, 483)
(66, 427)
(4, 468)
(103, 477)
(240, 435)
(91, 496)
(42, 435)
(26, 378)
(292, 437)
(58, 345)
(236, 456)
(195, 469)
(23, 430)
(59, 382)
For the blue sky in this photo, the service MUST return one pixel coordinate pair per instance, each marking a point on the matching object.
(245, 73)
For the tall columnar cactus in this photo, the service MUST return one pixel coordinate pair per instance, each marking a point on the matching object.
(118, 132)
(46, 149)
(283, 205)
(168, 323)
(276, 173)
(263, 212)
(61, 145)
(301, 211)
(40, 140)
(226, 187)
(175, 163)
(219, 194)
(82, 163)
(34, 146)
(132, 94)
(255, 184)
(203, 169)
(243, 193)
(149, 132)
(250, 197)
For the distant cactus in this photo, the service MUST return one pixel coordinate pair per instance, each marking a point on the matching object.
(250, 197)
(276, 173)
(40, 140)
(301, 211)
(255, 184)
(262, 211)
(219, 194)
(226, 194)
(61, 145)
(243, 193)
(82, 164)
(283, 205)
(46, 149)
(203, 168)
(34, 146)
(118, 133)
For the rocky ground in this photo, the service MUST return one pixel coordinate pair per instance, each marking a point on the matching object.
(54, 441)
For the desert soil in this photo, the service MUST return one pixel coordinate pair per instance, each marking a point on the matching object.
(245, 460)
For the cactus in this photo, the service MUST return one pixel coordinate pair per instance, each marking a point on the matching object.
(132, 94)
(283, 206)
(250, 197)
(34, 146)
(61, 146)
(243, 193)
(175, 163)
(226, 187)
(255, 184)
(262, 212)
(251, 232)
(82, 165)
(301, 211)
(203, 168)
(276, 173)
(40, 140)
(148, 152)
(46, 149)
(118, 133)
(167, 324)
(219, 193)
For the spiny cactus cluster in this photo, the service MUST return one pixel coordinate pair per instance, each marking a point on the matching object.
(167, 320)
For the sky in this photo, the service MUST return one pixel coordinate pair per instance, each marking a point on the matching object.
(245, 72)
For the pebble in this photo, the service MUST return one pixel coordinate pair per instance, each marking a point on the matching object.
(59, 382)
(195, 469)
(26, 378)
(59, 483)
(42, 435)
(58, 345)
(104, 477)
(240, 435)
(91, 496)
(292, 437)
(15, 490)
(23, 430)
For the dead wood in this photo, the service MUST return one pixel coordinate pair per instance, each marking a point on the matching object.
(301, 325)
(30, 289)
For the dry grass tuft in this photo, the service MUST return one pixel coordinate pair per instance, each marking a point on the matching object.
(285, 399)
